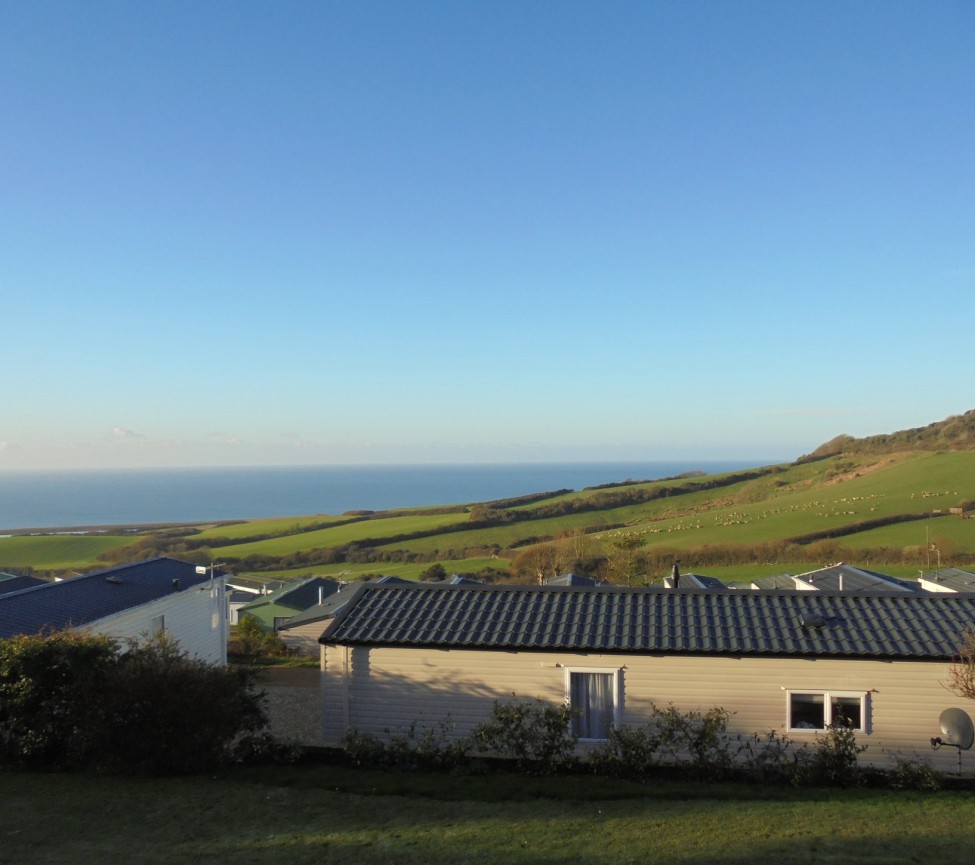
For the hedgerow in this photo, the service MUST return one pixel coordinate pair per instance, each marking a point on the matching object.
(79, 702)
(535, 737)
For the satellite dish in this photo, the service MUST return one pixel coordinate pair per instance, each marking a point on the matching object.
(957, 728)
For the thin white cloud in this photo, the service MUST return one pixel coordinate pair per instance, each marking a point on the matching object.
(127, 434)
(224, 438)
(295, 441)
(811, 411)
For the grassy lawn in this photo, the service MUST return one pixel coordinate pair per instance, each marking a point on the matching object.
(330, 816)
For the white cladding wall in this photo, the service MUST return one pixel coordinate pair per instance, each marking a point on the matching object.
(303, 639)
(196, 617)
(378, 689)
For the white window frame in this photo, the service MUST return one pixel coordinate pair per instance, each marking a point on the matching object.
(828, 697)
(617, 676)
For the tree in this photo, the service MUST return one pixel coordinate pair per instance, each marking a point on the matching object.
(624, 565)
(961, 674)
(538, 562)
(250, 640)
(434, 573)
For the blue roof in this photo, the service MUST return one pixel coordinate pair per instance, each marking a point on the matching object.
(10, 583)
(83, 600)
(654, 620)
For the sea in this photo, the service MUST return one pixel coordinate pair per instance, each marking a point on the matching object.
(86, 498)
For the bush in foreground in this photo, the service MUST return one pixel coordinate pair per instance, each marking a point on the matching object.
(695, 740)
(76, 702)
(535, 735)
(536, 738)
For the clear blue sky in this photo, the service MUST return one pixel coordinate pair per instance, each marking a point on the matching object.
(353, 232)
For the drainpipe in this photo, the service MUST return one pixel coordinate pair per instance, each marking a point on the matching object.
(345, 691)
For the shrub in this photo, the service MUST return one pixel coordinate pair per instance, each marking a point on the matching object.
(415, 748)
(251, 641)
(629, 752)
(165, 713)
(832, 759)
(262, 749)
(773, 759)
(535, 735)
(81, 702)
(434, 573)
(49, 688)
(913, 773)
(692, 739)
(364, 749)
(428, 747)
(699, 735)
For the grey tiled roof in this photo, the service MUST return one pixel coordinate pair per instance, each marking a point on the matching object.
(808, 624)
(847, 578)
(691, 580)
(952, 579)
(572, 579)
(776, 581)
(334, 602)
(80, 601)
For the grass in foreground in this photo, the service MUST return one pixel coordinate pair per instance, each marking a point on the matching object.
(326, 815)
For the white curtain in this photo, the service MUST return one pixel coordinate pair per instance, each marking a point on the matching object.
(591, 696)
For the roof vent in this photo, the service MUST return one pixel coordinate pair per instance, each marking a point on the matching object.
(113, 580)
(175, 585)
(812, 622)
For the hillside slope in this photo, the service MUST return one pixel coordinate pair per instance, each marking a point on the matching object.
(951, 434)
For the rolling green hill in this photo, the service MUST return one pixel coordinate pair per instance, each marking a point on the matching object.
(954, 433)
(885, 501)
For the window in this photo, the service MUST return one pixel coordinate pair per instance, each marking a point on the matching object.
(594, 697)
(817, 710)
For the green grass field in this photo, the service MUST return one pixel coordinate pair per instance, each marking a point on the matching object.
(57, 552)
(343, 534)
(275, 526)
(405, 570)
(335, 816)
